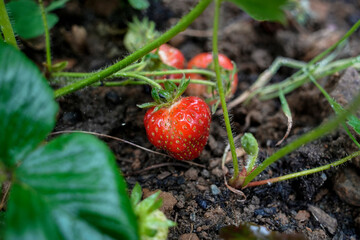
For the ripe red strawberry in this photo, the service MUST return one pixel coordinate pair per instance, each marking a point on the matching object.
(181, 129)
(172, 57)
(204, 60)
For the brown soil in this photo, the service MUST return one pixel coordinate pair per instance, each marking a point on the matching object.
(196, 197)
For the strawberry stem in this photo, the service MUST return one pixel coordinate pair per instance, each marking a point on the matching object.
(221, 92)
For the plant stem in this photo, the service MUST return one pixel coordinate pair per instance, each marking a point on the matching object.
(47, 36)
(5, 26)
(180, 71)
(330, 49)
(180, 26)
(221, 91)
(310, 136)
(143, 78)
(305, 172)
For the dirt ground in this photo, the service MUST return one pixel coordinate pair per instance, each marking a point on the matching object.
(89, 35)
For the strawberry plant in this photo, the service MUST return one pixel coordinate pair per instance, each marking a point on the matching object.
(71, 184)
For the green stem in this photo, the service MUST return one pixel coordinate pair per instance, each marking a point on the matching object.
(47, 36)
(298, 79)
(179, 27)
(180, 71)
(5, 26)
(143, 78)
(305, 172)
(330, 49)
(310, 136)
(221, 91)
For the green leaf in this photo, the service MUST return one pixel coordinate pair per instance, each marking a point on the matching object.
(70, 189)
(27, 20)
(56, 5)
(27, 106)
(136, 194)
(262, 10)
(139, 4)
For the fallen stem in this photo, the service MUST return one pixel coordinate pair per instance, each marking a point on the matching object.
(310, 136)
(305, 172)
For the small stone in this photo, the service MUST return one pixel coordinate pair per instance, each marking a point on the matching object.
(302, 216)
(265, 212)
(201, 187)
(214, 189)
(205, 173)
(163, 175)
(214, 162)
(191, 174)
(189, 236)
(169, 201)
(282, 218)
(217, 172)
(347, 186)
(324, 219)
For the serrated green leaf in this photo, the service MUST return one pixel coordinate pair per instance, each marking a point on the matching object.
(27, 20)
(139, 4)
(70, 189)
(147, 205)
(262, 10)
(56, 5)
(167, 95)
(27, 107)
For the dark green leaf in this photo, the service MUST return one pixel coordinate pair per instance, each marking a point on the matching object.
(27, 107)
(139, 4)
(261, 10)
(56, 4)
(27, 20)
(70, 188)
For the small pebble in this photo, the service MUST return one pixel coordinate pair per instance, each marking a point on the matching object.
(347, 186)
(205, 173)
(324, 219)
(189, 236)
(191, 174)
(214, 189)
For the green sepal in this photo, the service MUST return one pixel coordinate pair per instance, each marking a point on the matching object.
(136, 194)
(182, 87)
(155, 95)
(167, 95)
(57, 67)
(147, 205)
(170, 86)
(147, 105)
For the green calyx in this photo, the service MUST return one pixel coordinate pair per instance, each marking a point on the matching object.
(153, 224)
(167, 96)
(139, 34)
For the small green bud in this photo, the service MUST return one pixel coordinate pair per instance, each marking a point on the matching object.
(249, 144)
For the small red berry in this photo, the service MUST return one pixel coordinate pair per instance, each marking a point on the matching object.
(181, 129)
(173, 57)
(203, 60)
